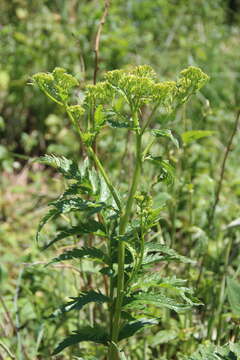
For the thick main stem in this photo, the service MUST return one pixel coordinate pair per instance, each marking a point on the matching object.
(113, 354)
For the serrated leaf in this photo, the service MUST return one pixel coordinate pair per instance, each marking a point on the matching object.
(157, 252)
(77, 189)
(170, 134)
(213, 352)
(67, 167)
(193, 135)
(84, 252)
(94, 334)
(51, 214)
(91, 226)
(78, 302)
(99, 117)
(65, 206)
(140, 300)
(235, 348)
(155, 279)
(167, 171)
(163, 337)
(118, 124)
(94, 180)
(131, 328)
(233, 292)
(233, 224)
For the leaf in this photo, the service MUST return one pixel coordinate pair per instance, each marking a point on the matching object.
(213, 352)
(190, 136)
(140, 301)
(91, 226)
(233, 224)
(87, 333)
(105, 194)
(170, 134)
(233, 292)
(167, 171)
(67, 167)
(235, 348)
(99, 117)
(131, 328)
(84, 252)
(163, 337)
(157, 252)
(65, 206)
(76, 189)
(78, 302)
(51, 214)
(118, 124)
(155, 280)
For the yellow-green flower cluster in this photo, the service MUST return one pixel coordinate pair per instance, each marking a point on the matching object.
(136, 85)
(191, 80)
(57, 85)
(76, 111)
(101, 93)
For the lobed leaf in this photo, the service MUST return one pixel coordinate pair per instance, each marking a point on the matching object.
(141, 299)
(134, 326)
(51, 214)
(91, 226)
(155, 252)
(193, 135)
(170, 134)
(78, 302)
(213, 352)
(65, 206)
(65, 166)
(94, 334)
(233, 293)
(84, 252)
(167, 171)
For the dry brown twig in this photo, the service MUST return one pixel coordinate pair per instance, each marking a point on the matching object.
(97, 39)
(223, 166)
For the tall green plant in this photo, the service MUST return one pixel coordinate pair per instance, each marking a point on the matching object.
(125, 99)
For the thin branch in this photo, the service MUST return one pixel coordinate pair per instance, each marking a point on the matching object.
(6, 349)
(97, 39)
(8, 315)
(223, 167)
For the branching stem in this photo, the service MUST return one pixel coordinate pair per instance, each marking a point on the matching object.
(97, 162)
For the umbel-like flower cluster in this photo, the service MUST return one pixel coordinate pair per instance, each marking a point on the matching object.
(139, 86)
(136, 87)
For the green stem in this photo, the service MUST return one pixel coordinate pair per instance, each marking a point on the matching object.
(121, 247)
(148, 147)
(104, 175)
(149, 118)
(92, 154)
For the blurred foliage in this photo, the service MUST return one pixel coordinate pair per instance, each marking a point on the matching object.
(168, 35)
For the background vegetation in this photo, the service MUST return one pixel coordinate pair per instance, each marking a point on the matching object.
(168, 35)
